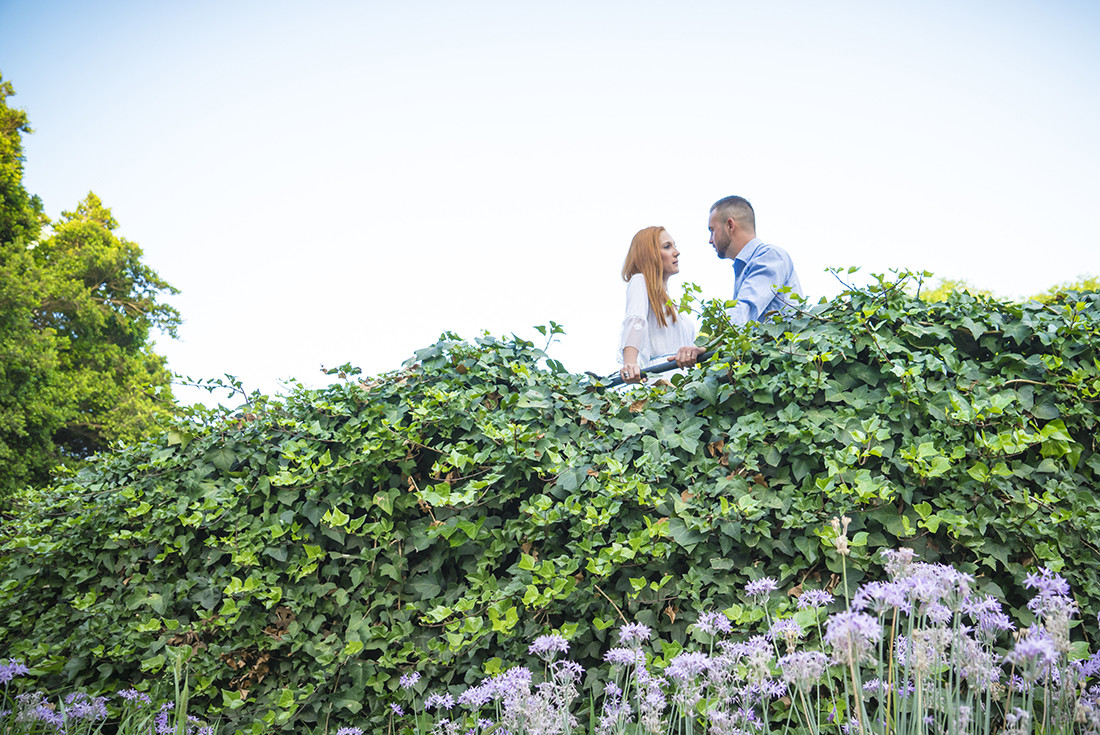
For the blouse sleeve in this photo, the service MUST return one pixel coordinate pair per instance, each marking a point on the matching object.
(637, 311)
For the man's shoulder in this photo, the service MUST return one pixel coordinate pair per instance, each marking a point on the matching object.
(770, 247)
(770, 252)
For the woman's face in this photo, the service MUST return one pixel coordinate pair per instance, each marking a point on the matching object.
(670, 256)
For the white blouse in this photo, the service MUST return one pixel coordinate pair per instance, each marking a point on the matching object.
(642, 330)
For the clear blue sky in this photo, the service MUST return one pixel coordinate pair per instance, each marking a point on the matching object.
(343, 181)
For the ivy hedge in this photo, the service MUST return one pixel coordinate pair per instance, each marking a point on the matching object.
(313, 548)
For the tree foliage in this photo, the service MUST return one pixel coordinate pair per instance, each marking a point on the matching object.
(1063, 291)
(947, 286)
(77, 308)
(311, 549)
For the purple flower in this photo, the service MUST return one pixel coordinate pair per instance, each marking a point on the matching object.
(34, 707)
(1019, 684)
(803, 668)
(79, 706)
(898, 561)
(634, 634)
(977, 666)
(133, 695)
(1047, 583)
(475, 697)
(1033, 653)
(1089, 668)
(439, 701)
(881, 597)
(851, 635)
(786, 629)
(764, 690)
(651, 700)
(713, 623)
(161, 724)
(1018, 721)
(547, 646)
(567, 671)
(938, 583)
(990, 619)
(13, 668)
(349, 731)
(875, 686)
(685, 667)
(624, 657)
(938, 613)
(408, 680)
(1048, 606)
(614, 709)
(397, 711)
(513, 683)
(815, 599)
(759, 590)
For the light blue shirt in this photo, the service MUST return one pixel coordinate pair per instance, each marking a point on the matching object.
(759, 271)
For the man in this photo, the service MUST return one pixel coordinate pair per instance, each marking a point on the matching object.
(759, 270)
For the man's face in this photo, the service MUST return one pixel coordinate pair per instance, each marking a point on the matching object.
(719, 234)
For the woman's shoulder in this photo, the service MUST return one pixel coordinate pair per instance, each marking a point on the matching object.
(636, 279)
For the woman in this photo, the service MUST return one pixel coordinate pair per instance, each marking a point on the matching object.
(653, 333)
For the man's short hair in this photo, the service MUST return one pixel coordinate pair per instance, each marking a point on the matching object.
(738, 208)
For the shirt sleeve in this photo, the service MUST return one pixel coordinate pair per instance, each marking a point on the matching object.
(767, 272)
(637, 312)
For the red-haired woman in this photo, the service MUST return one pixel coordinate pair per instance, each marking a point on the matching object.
(653, 333)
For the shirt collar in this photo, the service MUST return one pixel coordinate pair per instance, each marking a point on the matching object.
(748, 251)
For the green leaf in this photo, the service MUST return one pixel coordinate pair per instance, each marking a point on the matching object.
(222, 458)
(1045, 410)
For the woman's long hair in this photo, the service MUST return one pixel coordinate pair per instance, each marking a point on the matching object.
(644, 257)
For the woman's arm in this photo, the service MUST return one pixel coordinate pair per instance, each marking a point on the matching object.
(633, 337)
(631, 371)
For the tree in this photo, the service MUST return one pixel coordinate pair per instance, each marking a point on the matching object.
(948, 286)
(101, 307)
(21, 215)
(77, 310)
(1058, 292)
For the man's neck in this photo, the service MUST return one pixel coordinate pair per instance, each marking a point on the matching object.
(738, 246)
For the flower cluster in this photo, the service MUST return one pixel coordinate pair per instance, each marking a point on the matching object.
(548, 646)
(12, 668)
(919, 647)
(80, 712)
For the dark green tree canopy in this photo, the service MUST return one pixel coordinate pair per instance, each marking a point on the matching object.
(78, 309)
(20, 213)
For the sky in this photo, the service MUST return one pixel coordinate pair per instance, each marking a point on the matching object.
(342, 182)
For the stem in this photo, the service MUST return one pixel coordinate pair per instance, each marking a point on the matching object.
(858, 692)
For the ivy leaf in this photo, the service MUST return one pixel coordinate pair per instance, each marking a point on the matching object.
(1045, 410)
(222, 458)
